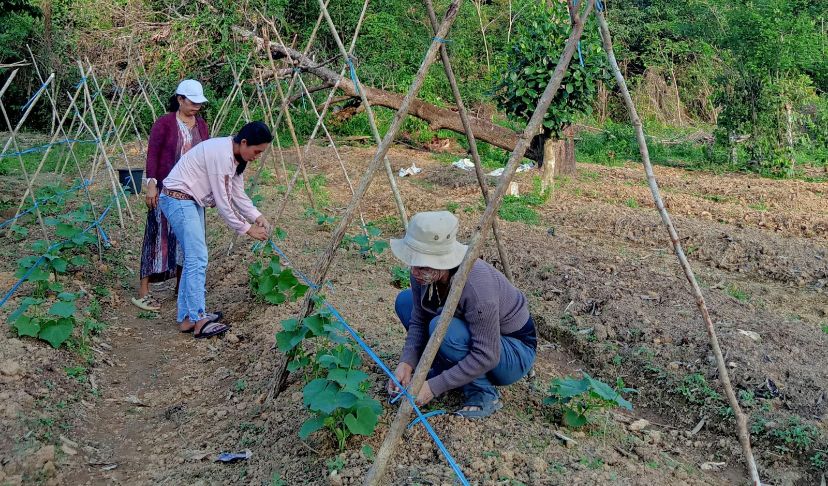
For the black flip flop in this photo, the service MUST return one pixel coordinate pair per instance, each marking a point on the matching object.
(212, 329)
(216, 317)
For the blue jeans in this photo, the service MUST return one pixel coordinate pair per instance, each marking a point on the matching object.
(516, 358)
(187, 221)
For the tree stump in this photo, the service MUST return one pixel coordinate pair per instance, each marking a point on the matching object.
(558, 158)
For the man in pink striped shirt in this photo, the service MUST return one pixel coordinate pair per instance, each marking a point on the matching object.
(211, 175)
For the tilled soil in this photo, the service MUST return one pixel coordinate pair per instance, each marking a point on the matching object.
(606, 292)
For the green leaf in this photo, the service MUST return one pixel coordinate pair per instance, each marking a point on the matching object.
(68, 296)
(59, 264)
(320, 396)
(286, 340)
(24, 306)
(67, 231)
(571, 418)
(569, 387)
(275, 298)
(56, 286)
(27, 326)
(315, 323)
(62, 309)
(79, 261)
(311, 425)
(345, 399)
(363, 423)
(51, 221)
(298, 363)
(348, 379)
(290, 324)
(267, 284)
(57, 332)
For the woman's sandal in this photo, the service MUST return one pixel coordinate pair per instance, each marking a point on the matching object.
(483, 410)
(212, 317)
(146, 303)
(211, 329)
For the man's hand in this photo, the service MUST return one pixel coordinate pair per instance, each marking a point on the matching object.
(257, 233)
(263, 222)
(403, 375)
(425, 395)
(151, 195)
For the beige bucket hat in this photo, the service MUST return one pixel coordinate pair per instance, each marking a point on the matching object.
(430, 241)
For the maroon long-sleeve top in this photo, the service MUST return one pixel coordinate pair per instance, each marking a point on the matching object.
(162, 148)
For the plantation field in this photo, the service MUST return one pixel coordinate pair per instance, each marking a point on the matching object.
(143, 404)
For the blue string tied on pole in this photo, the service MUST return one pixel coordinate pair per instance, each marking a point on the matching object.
(81, 82)
(35, 95)
(353, 74)
(421, 417)
(441, 40)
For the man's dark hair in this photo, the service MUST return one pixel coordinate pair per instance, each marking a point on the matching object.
(255, 133)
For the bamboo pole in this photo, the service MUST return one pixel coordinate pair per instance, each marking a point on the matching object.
(458, 282)
(102, 148)
(395, 191)
(324, 263)
(13, 140)
(724, 376)
(111, 120)
(464, 118)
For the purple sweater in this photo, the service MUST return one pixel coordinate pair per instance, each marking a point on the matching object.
(163, 144)
(491, 306)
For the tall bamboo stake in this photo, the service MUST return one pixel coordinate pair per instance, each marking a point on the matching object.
(458, 282)
(392, 181)
(324, 263)
(724, 376)
(464, 118)
(13, 140)
(102, 148)
(111, 120)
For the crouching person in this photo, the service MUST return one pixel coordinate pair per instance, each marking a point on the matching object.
(210, 175)
(491, 340)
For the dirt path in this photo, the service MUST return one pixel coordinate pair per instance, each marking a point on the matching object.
(606, 293)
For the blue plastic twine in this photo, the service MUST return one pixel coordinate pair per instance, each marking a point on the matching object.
(353, 73)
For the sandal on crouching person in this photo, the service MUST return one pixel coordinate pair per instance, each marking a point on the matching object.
(479, 410)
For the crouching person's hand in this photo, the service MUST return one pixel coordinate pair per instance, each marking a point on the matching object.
(257, 233)
(403, 375)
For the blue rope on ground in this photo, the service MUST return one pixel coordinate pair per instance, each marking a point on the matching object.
(423, 418)
(353, 74)
(38, 202)
(35, 95)
(96, 223)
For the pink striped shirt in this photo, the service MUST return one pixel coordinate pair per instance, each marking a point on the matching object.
(208, 173)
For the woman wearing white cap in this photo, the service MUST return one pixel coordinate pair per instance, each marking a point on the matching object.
(172, 135)
(491, 340)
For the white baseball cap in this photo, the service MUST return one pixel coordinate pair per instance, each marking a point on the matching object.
(192, 90)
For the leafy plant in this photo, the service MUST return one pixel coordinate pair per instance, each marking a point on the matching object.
(272, 282)
(400, 277)
(696, 390)
(53, 325)
(335, 392)
(320, 217)
(580, 399)
(369, 244)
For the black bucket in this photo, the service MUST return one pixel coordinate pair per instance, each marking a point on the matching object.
(126, 177)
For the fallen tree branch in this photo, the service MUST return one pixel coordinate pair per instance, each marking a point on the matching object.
(437, 118)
